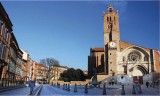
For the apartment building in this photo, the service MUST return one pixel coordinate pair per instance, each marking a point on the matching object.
(40, 72)
(10, 53)
(56, 71)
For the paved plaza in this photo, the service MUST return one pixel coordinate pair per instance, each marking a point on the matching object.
(110, 90)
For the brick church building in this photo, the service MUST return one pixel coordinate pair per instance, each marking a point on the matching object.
(121, 59)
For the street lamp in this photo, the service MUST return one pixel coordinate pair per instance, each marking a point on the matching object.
(113, 73)
(125, 64)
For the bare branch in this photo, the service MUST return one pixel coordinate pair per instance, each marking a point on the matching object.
(51, 63)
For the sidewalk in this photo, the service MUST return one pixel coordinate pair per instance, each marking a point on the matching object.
(2, 89)
(19, 91)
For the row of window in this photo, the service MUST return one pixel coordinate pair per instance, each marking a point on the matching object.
(18, 71)
(19, 61)
(110, 19)
(2, 51)
(4, 31)
(11, 66)
(13, 54)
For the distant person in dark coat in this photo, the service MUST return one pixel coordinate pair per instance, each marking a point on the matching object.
(112, 83)
(147, 84)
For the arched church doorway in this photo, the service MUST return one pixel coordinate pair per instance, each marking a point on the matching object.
(138, 72)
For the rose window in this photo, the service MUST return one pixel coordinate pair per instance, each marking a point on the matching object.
(134, 56)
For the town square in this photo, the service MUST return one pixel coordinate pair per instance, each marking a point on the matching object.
(79, 47)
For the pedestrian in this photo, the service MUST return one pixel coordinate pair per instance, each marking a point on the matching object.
(150, 83)
(157, 83)
(147, 84)
(31, 86)
(112, 83)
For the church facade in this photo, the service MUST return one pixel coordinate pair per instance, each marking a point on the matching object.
(121, 59)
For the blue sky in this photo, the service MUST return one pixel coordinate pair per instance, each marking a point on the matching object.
(67, 30)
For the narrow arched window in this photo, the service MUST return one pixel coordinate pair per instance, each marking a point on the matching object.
(124, 58)
(107, 19)
(145, 58)
(110, 9)
(110, 18)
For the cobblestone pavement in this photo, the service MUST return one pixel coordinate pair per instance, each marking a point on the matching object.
(19, 91)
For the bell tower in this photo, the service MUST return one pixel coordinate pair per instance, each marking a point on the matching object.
(111, 40)
(111, 25)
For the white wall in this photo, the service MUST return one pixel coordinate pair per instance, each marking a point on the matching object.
(25, 55)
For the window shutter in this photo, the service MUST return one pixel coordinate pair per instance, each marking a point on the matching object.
(4, 52)
(1, 27)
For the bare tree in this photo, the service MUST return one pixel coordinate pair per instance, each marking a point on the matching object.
(52, 65)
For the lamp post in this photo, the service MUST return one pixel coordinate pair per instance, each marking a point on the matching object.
(153, 78)
(94, 80)
(113, 73)
(125, 65)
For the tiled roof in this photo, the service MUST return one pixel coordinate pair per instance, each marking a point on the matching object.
(132, 44)
(98, 49)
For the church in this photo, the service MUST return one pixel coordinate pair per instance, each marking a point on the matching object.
(119, 59)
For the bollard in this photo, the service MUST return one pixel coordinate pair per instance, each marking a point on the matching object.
(104, 90)
(63, 86)
(59, 85)
(86, 89)
(133, 90)
(75, 88)
(98, 85)
(68, 87)
(139, 86)
(123, 91)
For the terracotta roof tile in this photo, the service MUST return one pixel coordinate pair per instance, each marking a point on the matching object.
(98, 49)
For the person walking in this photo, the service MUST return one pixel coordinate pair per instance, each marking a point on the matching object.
(147, 84)
(31, 86)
